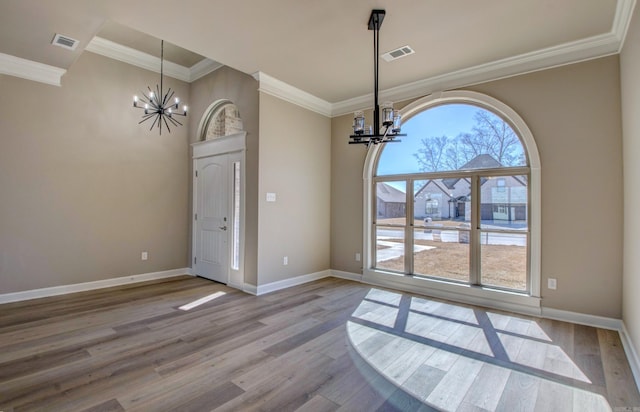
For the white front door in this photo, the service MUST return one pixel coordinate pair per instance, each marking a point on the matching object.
(212, 218)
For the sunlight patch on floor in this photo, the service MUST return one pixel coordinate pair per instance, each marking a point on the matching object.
(201, 301)
(443, 354)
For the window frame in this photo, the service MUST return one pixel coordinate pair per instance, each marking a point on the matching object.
(526, 302)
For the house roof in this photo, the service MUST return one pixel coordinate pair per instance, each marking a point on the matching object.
(483, 161)
(432, 183)
(390, 194)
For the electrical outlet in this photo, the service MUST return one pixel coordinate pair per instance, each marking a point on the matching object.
(552, 283)
(357, 257)
(144, 256)
(285, 260)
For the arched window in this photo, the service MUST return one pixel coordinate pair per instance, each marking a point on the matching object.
(222, 119)
(457, 200)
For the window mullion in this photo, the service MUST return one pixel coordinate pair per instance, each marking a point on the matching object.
(408, 231)
(474, 258)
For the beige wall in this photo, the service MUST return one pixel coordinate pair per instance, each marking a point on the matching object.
(574, 115)
(630, 86)
(294, 164)
(242, 90)
(347, 163)
(85, 188)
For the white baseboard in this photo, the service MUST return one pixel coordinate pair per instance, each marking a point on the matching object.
(582, 319)
(632, 354)
(287, 283)
(346, 275)
(81, 287)
(250, 289)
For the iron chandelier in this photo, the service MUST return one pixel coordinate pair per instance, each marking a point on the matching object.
(390, 119)
(158, 106)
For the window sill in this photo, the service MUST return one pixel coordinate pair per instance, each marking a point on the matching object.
(475, 295)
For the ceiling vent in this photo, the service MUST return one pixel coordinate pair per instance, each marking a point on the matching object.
(64, 41)
(398, 53)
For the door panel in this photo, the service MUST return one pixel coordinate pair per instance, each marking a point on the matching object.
(212, 210)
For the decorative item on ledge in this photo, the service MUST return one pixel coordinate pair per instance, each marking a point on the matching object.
(390, 119)
(156, 104)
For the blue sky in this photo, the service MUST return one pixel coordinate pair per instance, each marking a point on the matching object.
(449, 120)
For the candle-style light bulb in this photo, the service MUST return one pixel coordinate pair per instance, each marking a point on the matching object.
(358, 122)
(387, 113)
(396, 123)
(135, 101)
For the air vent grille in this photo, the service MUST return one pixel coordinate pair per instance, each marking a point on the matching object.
(398, 53)
(65, 41)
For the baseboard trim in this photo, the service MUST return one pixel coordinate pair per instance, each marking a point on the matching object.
(287, 283)
(582, 319)
(250, 289)
(346, 275)
(85, 286)
(632, 354)
(239, 286)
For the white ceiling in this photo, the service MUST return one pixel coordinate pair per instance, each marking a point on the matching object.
(323, 47)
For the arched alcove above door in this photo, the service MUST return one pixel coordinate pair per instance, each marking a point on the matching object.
(222, 118)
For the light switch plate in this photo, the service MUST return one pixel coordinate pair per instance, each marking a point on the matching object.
(271, 197)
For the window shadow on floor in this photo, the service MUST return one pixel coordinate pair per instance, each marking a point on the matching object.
(452, 357)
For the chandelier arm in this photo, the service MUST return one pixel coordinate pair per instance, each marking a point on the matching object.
(167, 96)
(174, 121)
(143, 99)
(149, 116)
(165, 122)
(155, 119)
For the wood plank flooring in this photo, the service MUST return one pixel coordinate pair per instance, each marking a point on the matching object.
(330, 345)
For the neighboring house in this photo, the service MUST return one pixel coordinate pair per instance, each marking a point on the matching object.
(502, 198)
(443, 199)
(391, 202)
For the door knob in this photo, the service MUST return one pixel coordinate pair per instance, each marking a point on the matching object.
(222, 227)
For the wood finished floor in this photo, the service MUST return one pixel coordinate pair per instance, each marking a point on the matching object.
(323, 346)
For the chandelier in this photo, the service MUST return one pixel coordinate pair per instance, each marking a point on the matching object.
(159, 106)
(390, 119)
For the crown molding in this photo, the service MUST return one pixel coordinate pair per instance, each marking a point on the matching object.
(622, 20)
(30, 70)
(146, 61)
(567, 53)
(582, 50)
(202, 68)
(137, 58)
(277, 88)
